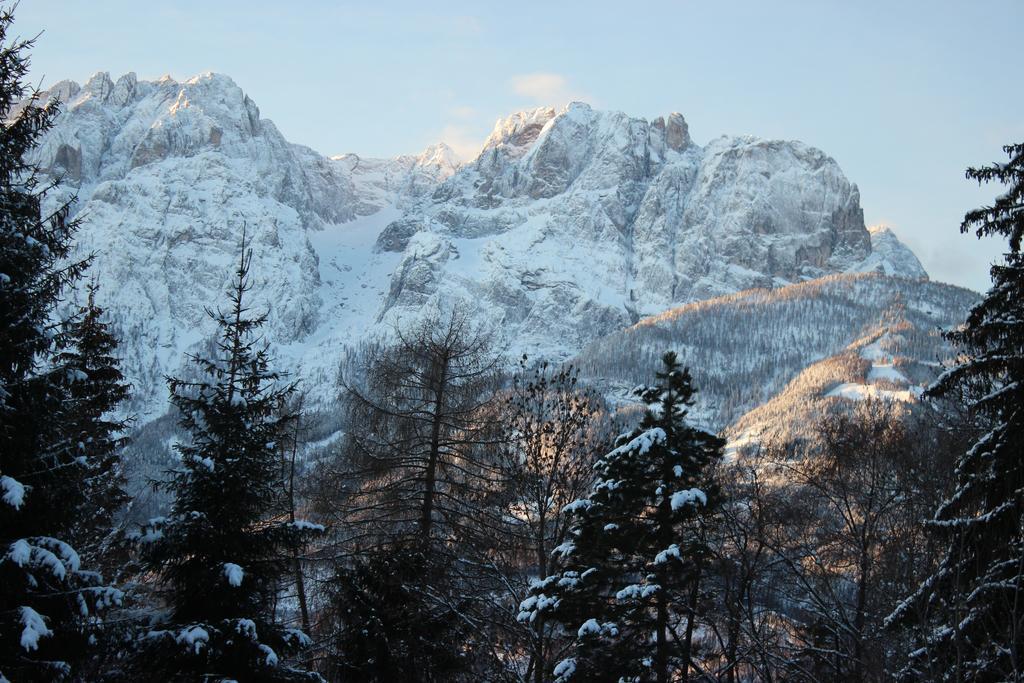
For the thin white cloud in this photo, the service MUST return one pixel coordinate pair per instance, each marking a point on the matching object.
(462, 140)
(546, 88)
(464, 113)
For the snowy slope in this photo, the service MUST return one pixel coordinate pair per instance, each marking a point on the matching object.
(569, 225)
(768, 351)
(893, 363)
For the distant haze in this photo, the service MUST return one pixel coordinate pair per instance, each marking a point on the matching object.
(903, 95)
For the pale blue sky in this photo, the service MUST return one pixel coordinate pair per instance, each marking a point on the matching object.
(904, 95)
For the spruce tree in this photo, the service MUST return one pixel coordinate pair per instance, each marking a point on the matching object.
(972, 606)
(47, 601)
(629, 574)
(393, 627)
(95, 389)
(221, 553)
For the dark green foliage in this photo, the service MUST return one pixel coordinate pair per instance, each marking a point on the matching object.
(393, 627)
(222, 552)
(47, 602)
(95, 388)
(973, 604)
(631, 569)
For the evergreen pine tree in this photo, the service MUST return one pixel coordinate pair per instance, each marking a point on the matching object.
(221, 554)
(392, 625)
(95, 388)
(47, 602)
(972, 606)
(629, 576)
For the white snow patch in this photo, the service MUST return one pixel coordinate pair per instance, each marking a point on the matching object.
(860, 392)
(247, 627)
(195, 637)
(580, 504)
(270, 657)
(14, 491)
(669, 552)
(565, 669)
(887, 372)
(688, 497)
(35, 628)
(20, 552)
(634, 591)
(233, 573)
(641, 443)
(564, 549)
(589, 627)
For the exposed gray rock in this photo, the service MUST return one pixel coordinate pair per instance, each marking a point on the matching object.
(569, 224)
(621, 218)
(396, 236)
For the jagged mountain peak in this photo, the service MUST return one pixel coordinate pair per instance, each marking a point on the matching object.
(890, 256)
(570, 224)
(601, 212)
(518, 131)
(440, 155)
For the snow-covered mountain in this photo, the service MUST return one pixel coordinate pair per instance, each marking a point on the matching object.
(568, 226)
(579, 222)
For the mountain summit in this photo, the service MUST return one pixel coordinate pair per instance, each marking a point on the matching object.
(569, 225)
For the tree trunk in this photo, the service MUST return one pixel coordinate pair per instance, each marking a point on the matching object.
(539, 668)
(860, 617)
(661, 654)
(690, 618)
(430, 481)
(300, 584)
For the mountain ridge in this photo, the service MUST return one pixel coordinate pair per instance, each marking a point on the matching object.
(569, 225)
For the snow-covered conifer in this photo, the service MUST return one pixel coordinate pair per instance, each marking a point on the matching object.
(629, 575)
(220, 555)
(48, 601)
(95, 388)
(972, 606)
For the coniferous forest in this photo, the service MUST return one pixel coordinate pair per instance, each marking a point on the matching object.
(485, 518)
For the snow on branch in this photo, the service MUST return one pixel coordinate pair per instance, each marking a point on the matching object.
(35, 628)
(13, 491)
(233, 573)
(688, 497)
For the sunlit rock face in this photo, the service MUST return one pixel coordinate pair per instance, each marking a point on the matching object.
(889, 256)
(167, 176)
(569, 224)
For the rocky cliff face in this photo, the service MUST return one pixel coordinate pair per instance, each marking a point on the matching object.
(569, 225)
(168, 174)
(579, 222)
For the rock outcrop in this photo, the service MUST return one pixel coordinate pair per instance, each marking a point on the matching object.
(569, 224)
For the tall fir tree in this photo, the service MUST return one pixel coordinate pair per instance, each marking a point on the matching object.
(972, 607)
(48, 603)
(95, 390)
(629, 574)
(222, 553)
